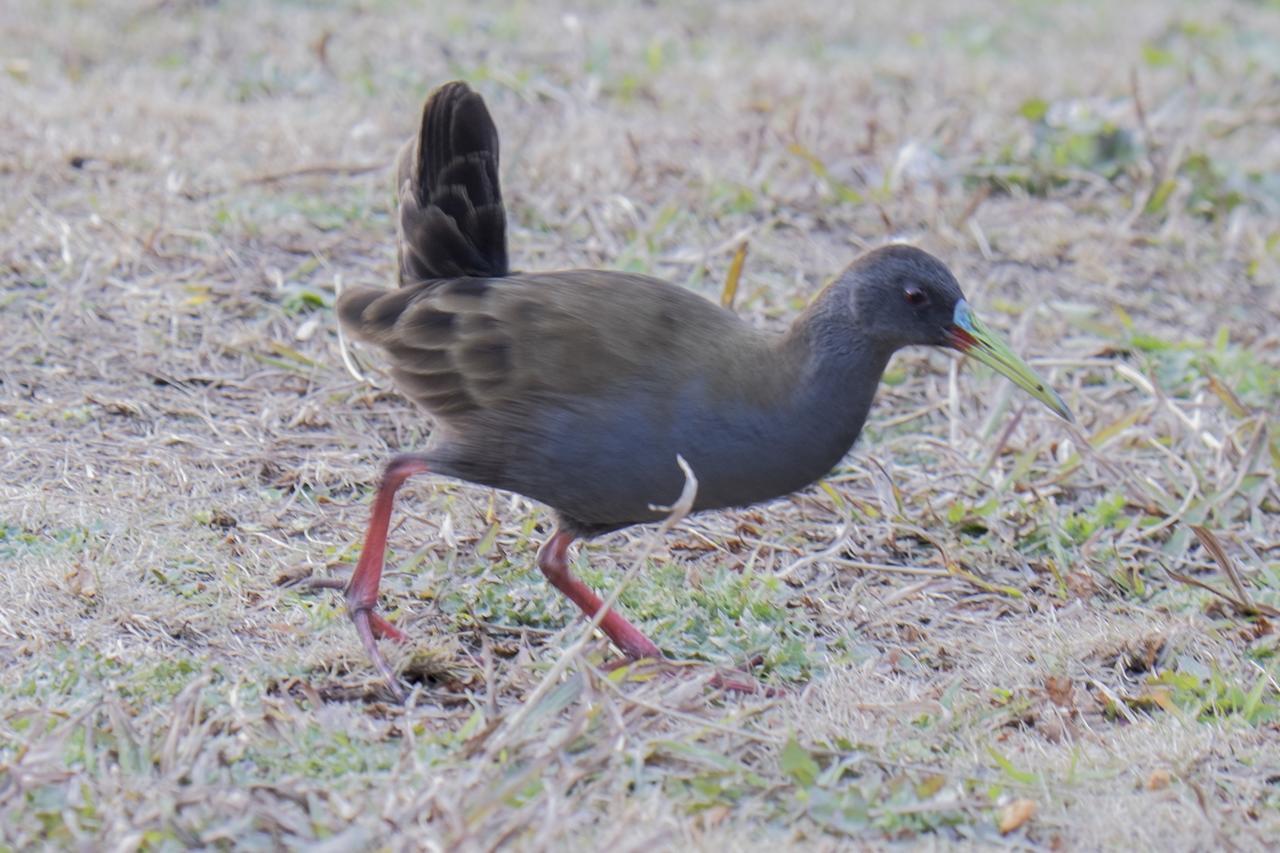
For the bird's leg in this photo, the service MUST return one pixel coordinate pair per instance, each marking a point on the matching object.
(362, 590)
(554, 563)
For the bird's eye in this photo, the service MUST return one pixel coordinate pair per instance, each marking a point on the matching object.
(915, 296)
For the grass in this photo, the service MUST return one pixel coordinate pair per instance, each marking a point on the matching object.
(985, 627)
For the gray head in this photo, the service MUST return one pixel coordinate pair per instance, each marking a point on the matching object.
(903, 296)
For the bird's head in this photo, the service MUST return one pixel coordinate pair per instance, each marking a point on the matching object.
(904, 296)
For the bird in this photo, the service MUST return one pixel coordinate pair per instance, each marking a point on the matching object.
(579, 388)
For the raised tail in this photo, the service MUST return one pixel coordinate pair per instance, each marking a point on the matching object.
(452, 223)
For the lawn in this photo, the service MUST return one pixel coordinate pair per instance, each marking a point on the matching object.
(986, 626)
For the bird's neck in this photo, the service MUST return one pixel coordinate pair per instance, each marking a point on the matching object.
(839, 366)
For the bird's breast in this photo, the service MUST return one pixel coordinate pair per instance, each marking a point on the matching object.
(610, 460)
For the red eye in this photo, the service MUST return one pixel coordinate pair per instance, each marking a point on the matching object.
(915, 296)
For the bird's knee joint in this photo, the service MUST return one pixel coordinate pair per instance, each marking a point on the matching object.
(555, 567)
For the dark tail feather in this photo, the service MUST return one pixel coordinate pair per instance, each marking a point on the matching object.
(452, 222)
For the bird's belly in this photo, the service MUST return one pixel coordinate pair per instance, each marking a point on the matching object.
(611, 462)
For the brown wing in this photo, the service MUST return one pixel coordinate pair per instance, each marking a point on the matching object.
(459, 345)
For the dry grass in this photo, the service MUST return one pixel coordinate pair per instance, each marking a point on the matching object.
(984, 607)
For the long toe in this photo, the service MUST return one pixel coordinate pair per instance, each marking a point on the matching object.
(369, 626)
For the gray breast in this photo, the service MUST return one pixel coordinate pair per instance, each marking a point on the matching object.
(608, 461)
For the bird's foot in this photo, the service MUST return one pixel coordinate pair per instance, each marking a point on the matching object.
(372, 627)
(362, 587)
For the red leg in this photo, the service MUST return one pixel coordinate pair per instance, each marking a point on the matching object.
(362, 590)
(554, 563)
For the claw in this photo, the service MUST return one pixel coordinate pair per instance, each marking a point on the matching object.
(365, 622)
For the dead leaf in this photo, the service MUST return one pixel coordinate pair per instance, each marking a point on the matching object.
(1060, 691)
(930, 785)
(1081, 585)
(714, 816)
(1161, 696)
(730, 289)
(1015, 815)
(222, 518)
(1257, 629)
(1228, 397)
(80, 581)
(1051, 729)
(692, 545)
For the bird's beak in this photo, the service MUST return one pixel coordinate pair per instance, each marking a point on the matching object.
(968, 334)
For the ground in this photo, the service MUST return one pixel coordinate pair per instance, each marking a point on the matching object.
(985, 626)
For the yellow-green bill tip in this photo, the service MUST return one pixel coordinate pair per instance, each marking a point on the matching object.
(970, 336)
